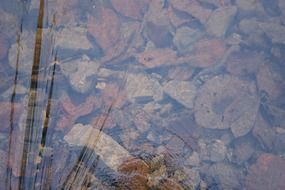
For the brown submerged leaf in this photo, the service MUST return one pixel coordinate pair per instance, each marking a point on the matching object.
(133, 175)
(73, 112)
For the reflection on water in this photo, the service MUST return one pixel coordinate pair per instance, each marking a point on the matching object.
(142, 94)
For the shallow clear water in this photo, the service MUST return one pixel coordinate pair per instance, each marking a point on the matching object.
(139, 95)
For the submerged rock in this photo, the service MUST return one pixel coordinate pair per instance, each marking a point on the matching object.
(216, 3)
(152, 58)
(132, 172)
(227, 102)
(254, 34)
(248, 5)
(158, 34)
(3, 167)
(142, 85)
(243, 150)
(3, 47)
(73, 38)
(219, 21)
(214, 151)
(131, 8)
(111, 152)
(19, 90)
(281, 5)
(268, 136)
(79, 72)
(193, 8)
(9, 23)
(274, 31)
(206, 52)
(270, 81)
(193, 160)
(267, 173)
(184, 37)
(183, 92)
(244, 63)
(226, 176)
(21, 53)
(103, 25)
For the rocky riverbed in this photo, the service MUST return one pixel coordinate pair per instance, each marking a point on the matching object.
(142, 94)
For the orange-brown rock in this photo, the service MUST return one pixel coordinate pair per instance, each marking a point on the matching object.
(267, 173)
(103, 25)
(71, 112)
(115, 37)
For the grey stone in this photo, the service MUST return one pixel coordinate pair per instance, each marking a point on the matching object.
(219, 21)
(19, 90)
(274, 31)
(73, 38)
(79, 72)
(268, 137)
(226, 176)
(243, 63)
(217, 3)
(192, 178)
(264, 134)
(142, 85)
(21, 54)
(244, 123)
(9, 23)
(3, 167)
(214, 151)
(184, 37)
(243, 151)
(281, 4)
(248, 26)
(254, 34)
(227, 102)
(248, 5)
(111, 152)
(183, 92)
(193, 160)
